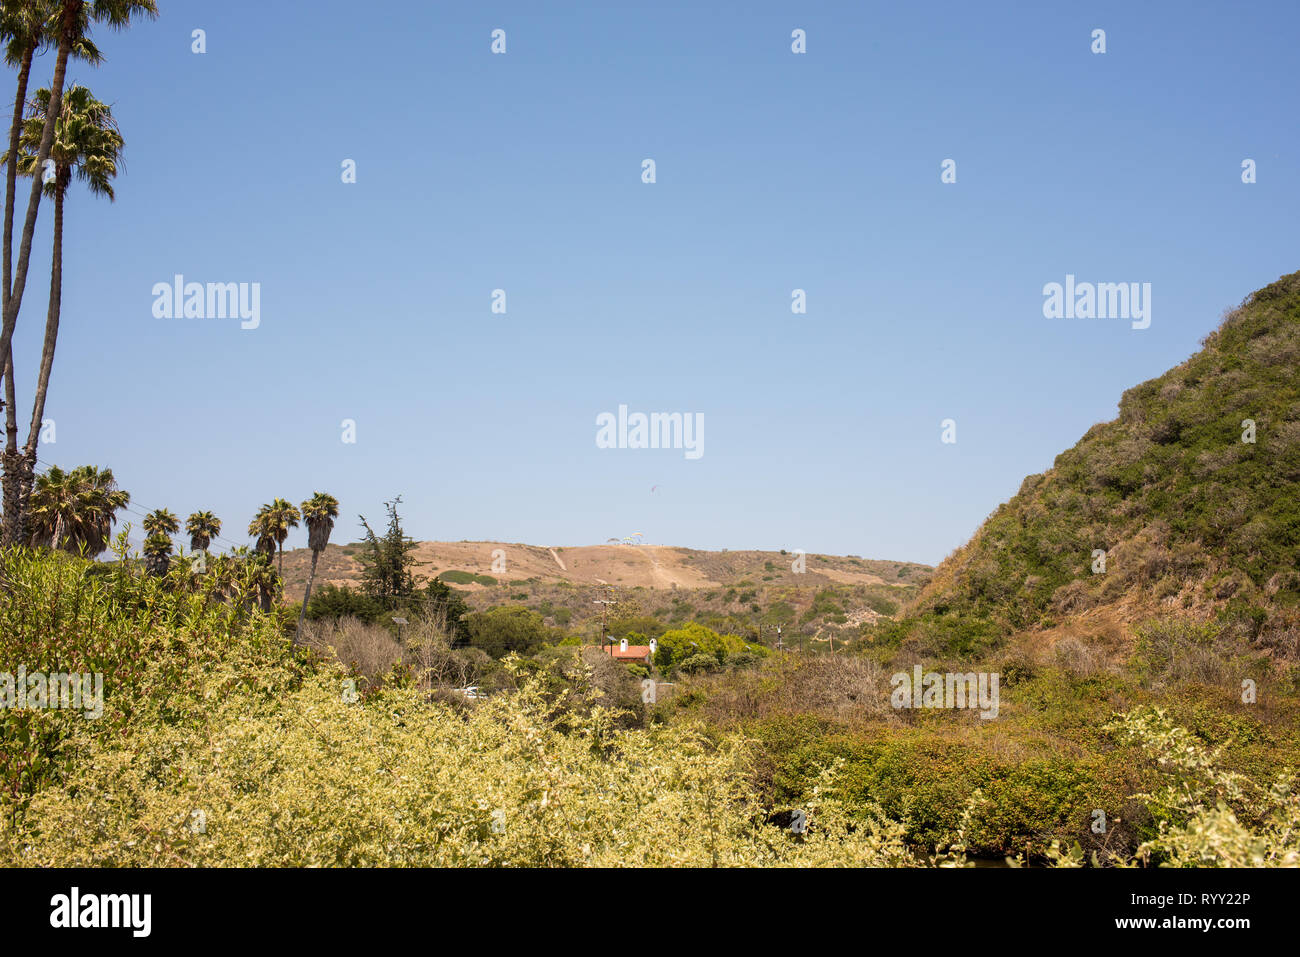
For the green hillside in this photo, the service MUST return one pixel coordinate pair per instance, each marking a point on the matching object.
(1194, 518)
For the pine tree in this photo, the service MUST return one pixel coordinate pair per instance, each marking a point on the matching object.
(387, 562)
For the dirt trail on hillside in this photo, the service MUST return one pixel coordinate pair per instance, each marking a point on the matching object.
(663, 578)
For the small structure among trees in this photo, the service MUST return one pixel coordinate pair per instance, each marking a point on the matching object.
(641, 654)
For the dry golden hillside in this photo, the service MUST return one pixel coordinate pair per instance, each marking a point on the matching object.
(625, 566)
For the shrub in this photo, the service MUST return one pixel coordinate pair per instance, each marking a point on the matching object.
(1199, 810)
(677, 645)
(162, 645)
(458, 577)
(1179, 650)
(509, 628)
(698, 664)
(312, 780)
(332, 602)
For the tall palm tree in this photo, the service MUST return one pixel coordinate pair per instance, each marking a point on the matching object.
(25, 27)
(202, 527)
(319, 513)
(87, 144)
(286, 517)
(76, 510)
(271, 526)
(66, 28)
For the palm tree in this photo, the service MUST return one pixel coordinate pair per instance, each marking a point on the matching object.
(319, 513)
(260, 529)
(25, 27)
(87, 144)
(271, 526)
(160, 525)
(161, 521)
(259, 577)
(157, 554)
(66, 28)
(202, 527)
(100, 502)
(54, 505)
(75, 510)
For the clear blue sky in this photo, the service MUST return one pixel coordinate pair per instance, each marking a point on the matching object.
(775, 171)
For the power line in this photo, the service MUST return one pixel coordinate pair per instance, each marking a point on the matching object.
(142, 511)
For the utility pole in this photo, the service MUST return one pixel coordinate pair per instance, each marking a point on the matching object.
(604, 618)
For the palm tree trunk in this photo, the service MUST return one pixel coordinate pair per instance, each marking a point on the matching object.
(13, 299)
(17, 473)
(11, 170)
(10, 474)
(9, 396)
(11, 461)
(51, 324)
(307, 597)
(47, 364)
(14, 303)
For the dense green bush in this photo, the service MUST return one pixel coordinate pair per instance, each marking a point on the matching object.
(679, 644)
(332, 602)
(505, 629)
(436, 602)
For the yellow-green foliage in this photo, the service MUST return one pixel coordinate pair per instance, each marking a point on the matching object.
(157, 642)
(1200, 807)
(694, 639)
(222, 745)
(312, 780)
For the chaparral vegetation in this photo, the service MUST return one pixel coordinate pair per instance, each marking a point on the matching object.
(350, 705)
